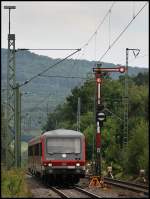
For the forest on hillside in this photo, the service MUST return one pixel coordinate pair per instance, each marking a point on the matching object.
(124, 160)
(44, 93)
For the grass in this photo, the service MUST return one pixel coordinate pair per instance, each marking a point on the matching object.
(13, 184)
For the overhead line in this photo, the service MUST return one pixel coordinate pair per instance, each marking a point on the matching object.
(22, 49)
(58, 76)
(35, 76)
(27, 81)
(113, 114)
(121, 33)
(43, 100)
(99, 25)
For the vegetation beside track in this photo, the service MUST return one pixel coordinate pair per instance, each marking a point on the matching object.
(13, 184)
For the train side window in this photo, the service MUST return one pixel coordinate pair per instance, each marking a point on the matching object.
(40, 149)
(33, 150)
(30, 151)
(36, 148)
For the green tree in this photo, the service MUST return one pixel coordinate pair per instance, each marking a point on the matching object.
(137, 152)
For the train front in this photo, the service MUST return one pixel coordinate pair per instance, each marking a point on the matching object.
(64, 155)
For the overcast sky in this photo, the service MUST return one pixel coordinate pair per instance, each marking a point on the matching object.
(69, 24)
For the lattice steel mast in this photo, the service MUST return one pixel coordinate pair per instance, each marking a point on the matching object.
(125, 129)
(11, 83)
(126, 100)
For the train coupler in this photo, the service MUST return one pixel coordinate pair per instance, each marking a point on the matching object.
(96, 181)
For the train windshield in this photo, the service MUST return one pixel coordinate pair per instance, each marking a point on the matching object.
(63, 145)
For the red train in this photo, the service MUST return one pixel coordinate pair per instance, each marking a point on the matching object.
(58, 156)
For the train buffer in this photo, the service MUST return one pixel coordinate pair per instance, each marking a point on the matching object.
(96, 181)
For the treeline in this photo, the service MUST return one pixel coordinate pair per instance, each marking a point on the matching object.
(128, 160)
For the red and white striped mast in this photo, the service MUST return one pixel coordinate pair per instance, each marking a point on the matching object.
(100, 115)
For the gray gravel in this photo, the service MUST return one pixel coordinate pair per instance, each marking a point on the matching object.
(72, 193)
(38, 190)
(111, 191)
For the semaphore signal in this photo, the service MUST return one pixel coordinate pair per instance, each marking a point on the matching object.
(100, 118)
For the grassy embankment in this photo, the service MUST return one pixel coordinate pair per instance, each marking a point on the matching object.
(13, 184)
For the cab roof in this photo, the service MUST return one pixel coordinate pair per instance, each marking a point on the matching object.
(57, 133)
(62, 132)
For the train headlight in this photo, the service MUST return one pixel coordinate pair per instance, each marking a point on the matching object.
(77, 164)
(50, 164)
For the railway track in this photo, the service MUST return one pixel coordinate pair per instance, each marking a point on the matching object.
(73, 192)
(78, 192)
(128, 185)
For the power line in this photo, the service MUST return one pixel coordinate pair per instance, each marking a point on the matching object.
(95, 32)
(43, 100)
(109, 27)
(98, 27)
(35, 76)
(113, 114)
(22, 49)
(58, 76)
(122, 33)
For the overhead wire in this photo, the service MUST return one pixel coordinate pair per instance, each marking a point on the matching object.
(37, 75)
(113, 114)
(43, 100)
(109, 28)
(22, 49)
(77, 50)
(75, 60)
(112, 44)
(133, 8)
(95, 48)
(83, 47)
(98, 27)
(59, 76)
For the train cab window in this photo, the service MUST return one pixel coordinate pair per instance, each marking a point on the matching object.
(63, 145)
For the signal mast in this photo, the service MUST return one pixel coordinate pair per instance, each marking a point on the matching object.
(100, 118)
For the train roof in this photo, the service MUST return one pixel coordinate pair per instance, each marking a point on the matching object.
(62, 132)
(57, 133)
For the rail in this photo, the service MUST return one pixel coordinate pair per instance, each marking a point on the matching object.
(62, 193)
(127, 185)
(87, 192)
